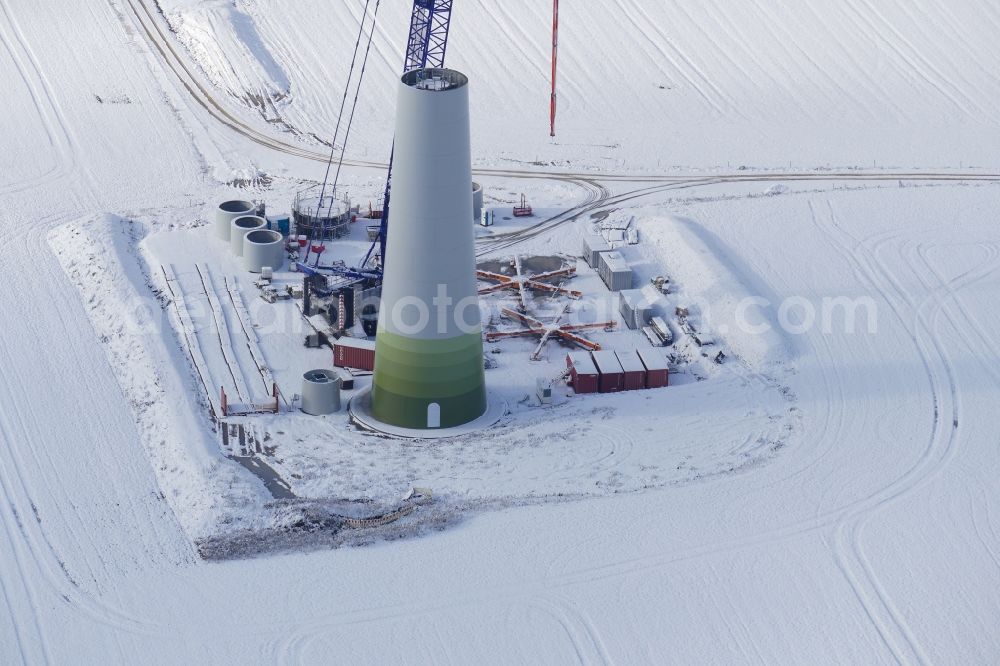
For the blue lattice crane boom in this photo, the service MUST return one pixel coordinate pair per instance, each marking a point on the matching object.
(426, 47)
(428, 34)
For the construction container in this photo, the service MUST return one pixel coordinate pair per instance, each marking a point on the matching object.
(346, 379)
(354, 353)
(634, 308)
(320, 392)
(657, 369)
(593, 246)
(283, 225)
(615, 271)
(635, 371)
(583, 374)
(612, 377)
(543, 389)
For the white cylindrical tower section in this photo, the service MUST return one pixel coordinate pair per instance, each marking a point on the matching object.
(429, 347)
(320, 392)
(240, 227)
(430, 238)
(229, 211)
(263, 248)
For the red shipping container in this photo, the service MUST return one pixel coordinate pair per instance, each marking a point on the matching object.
(583, 373)
(657, 369)
(612, 375)
(354, 353)
(635, 371)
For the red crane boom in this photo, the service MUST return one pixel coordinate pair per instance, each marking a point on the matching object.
(555, 53)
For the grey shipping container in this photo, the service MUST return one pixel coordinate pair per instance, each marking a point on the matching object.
(635, 308)
(615, 271)
(593, 246)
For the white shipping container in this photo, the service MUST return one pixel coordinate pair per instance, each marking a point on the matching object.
(615, 271)
(593, 246)
(635, 308)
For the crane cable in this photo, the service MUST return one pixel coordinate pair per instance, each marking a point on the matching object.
(340, 117)
(354, 105)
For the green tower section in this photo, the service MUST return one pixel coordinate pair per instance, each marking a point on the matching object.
(428, 383)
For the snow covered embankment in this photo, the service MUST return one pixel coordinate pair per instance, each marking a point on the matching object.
(723, 297)
(128, 314)
(223, 39)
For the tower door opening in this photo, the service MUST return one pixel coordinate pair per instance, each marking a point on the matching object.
(434, 415)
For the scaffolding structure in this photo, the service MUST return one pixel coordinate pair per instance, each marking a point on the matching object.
(320, 217)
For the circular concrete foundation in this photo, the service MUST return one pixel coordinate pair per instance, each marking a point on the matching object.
(360, 409)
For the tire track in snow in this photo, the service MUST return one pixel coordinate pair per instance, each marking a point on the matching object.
(680, 62)
(23, 609)
(994, 555)
(845, 535)
(52, 121)
(943, 445)
(960, 37)
(32, 548)
(578, 627)
(963, 310)
(911, 56)
(788, 37)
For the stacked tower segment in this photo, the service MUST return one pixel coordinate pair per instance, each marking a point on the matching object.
(429, 348)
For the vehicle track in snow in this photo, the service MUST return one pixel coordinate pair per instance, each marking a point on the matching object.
(895, 635)
(50, 115)
(45, 572)
(159, 38)
(869, 18)
(945, 436)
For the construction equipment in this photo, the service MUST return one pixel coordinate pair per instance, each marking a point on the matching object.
(430, 22)
(522, 282)
(524, 210)
(555, 53)
(566, 332)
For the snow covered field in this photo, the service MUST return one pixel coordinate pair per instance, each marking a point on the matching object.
(872, 535)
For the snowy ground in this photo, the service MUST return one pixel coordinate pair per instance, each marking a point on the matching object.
(871, 538)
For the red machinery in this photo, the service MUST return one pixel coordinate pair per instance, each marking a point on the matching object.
(566, 332)
(555, 52)
(521, 282)
(524, 210)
